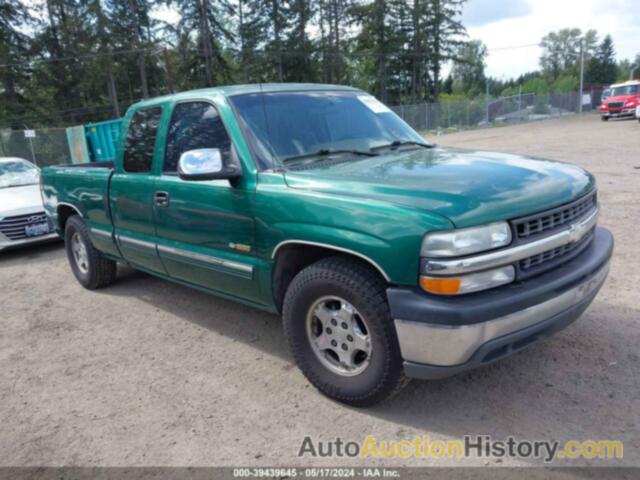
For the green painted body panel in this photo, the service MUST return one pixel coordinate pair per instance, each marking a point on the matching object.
(377, 208)
(467, 187)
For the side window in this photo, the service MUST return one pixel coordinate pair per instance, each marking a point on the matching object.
(141, 138)
(195, 125)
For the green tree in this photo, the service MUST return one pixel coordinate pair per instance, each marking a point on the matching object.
(211, 20)
(332, 20)
(602, 67)
(445, 33)
(14, 45)
(376, 42)
(298, 62)
(468, 67)
(561, 50)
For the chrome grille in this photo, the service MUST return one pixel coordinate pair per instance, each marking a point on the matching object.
(527, 228)
(544, 261)
(14, 227)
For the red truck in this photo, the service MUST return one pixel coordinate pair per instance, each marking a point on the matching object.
(622, 100)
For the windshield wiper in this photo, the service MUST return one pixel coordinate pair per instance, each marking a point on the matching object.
(326, 153)
(401, 143)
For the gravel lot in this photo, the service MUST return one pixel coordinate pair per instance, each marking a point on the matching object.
(146, 372)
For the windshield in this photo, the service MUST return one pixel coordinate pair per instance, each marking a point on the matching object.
(625, 90)
(286, 125)
(16, 173)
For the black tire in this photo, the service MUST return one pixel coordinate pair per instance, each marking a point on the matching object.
(604, 119)
(99, 271)
(362, 287)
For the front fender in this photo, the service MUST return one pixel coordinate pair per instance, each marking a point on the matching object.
(385, 234)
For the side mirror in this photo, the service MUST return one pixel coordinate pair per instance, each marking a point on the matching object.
(205, 164)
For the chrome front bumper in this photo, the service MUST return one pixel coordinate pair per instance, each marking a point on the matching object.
(445, 346)
(440, 337)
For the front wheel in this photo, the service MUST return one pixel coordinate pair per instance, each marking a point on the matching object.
(340, 332)
(90, 268)
(604, 119)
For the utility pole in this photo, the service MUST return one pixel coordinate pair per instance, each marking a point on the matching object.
(486, 101)
(581, 75)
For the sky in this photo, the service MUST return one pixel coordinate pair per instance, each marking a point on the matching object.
(511, 23)
(503, 24)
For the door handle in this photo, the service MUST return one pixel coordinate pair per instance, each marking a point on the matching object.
(161, 199)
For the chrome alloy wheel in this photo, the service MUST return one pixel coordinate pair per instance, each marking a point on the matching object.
(339, 336)
(80, 255)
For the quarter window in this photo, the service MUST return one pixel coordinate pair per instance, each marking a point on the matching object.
(141, 139)
(195, 125)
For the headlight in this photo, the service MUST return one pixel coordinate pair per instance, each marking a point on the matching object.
(471, 282)
(465, 241)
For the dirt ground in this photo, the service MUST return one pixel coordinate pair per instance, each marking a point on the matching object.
(147, 372)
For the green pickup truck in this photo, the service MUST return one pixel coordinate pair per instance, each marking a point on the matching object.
(388, 257)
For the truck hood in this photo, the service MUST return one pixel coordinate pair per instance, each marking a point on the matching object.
(20, 200)
(620, 98)
(467, 187)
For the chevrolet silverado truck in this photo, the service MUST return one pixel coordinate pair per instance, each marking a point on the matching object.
(388, 257)
(622, 100)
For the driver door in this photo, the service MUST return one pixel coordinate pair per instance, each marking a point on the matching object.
(205, 229)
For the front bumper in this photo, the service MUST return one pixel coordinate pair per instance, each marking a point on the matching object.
(442, 336)
(626, 112)
(6, 243)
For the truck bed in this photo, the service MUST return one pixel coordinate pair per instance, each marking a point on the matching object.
(83, 187)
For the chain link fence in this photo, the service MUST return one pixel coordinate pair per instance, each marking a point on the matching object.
(44, 147)
(484, 112)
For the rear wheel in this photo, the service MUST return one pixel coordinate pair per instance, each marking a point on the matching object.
(89, 266)
(340, 332)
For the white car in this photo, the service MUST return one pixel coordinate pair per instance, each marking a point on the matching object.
(638, 112)
(22, 217)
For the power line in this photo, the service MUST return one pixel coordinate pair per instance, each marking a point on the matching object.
(515, 47)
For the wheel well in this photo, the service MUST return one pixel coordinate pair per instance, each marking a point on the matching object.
(294, 257)
(64, 212)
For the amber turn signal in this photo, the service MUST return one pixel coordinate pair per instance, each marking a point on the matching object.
(441, 286)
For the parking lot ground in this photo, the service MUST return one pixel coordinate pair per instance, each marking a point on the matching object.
(146, 372)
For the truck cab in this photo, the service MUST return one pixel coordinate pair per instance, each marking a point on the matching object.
(387, 257)
(621, 101)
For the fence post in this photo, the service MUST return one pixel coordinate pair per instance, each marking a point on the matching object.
(426, 116)
(33, 153)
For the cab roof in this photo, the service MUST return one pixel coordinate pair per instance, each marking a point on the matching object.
(231, 90)
(624, 84)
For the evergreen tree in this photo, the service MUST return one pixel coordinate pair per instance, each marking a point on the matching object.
(445, 32)
(14, 45)
(602, 67)
(65, 37)
(378, 41)
(298, 61)
(211, 20)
